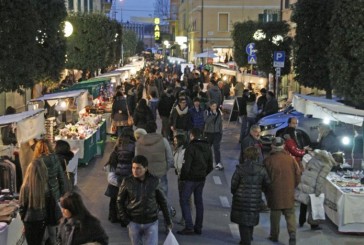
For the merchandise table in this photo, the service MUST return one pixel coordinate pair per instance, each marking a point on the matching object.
(344, 203)
(12, 233)
(88, 146)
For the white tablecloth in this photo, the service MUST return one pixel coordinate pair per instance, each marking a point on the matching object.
(346, 210)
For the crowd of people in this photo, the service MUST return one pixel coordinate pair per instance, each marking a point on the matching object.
(190, 138)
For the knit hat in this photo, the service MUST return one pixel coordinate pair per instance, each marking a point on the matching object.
(139, 132)
(278, 142)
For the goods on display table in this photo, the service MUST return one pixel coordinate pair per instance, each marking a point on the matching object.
(11, 226)
(88, 135)
(344, 200)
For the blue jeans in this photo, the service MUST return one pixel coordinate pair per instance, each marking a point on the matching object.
(187, 188)
(140, 234)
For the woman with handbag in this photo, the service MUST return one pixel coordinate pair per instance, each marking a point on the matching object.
(78, 226)
(35, 202)
(119, 112)
(44, 152)
(312, 182)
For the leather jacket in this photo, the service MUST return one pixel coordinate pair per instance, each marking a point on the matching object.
(139, 201)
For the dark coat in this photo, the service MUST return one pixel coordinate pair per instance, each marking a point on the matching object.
(142, 117)
(139, 201)
(198, 161)
(329, 143)
(73, 232)
(246, 186)
(250, 141)
(180, 119)
(119, 105)
(165, 105)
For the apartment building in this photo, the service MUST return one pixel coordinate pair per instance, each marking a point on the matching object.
(208, 23)
(88, 5)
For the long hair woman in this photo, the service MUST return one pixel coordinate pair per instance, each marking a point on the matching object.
(142, 114)
(43, 152)
(33, 202)
(78, 226)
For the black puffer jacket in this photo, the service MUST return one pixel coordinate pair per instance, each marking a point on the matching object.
(139, 201)
(246, 186)
(142, 117)
(198, 161)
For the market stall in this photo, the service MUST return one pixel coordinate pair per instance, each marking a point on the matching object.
(85, 132)
(344, 201)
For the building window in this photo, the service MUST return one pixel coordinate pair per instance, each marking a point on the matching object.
(269, 16)
(223, 22)
(286, 4)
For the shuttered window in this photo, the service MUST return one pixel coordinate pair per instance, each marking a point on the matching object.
(223, 22)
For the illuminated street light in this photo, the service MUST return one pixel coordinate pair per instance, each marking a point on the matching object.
(277, 39)
(259, 35)
(68, 29)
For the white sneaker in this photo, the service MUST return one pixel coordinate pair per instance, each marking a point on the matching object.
(219, 166)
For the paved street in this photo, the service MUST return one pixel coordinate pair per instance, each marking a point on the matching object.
(217, 200)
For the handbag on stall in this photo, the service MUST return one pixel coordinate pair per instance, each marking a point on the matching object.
(317, 206)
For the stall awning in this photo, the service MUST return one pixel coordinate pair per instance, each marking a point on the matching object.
(323, 108)
(30, 124)
(14, 118)
(110, 74)
(228, 72)
(60, 95)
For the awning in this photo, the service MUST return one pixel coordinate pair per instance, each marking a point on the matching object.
(324, 108)
(14, 118)
(208, 54)
(60, 95)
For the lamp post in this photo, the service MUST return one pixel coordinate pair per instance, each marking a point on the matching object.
(201, 38)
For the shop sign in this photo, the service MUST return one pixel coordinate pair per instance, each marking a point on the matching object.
(157, 32)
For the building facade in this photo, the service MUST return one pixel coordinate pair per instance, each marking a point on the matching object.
(88, 5)
(208, 23)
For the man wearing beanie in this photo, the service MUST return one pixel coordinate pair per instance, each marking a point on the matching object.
(285, 177)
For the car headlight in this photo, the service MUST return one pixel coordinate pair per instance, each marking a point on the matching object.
(271, 126)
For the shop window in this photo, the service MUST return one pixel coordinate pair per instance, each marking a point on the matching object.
(223, 22)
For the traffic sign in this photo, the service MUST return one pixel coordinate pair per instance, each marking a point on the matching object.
(252, 59)
(278, 71)
(250, 49)
(278, 58)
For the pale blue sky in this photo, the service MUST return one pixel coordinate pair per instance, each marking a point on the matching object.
(140, 8)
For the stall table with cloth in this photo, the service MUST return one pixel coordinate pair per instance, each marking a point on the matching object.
(344, 202)
(88, 147)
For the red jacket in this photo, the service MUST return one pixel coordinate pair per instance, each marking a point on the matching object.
(292, 148)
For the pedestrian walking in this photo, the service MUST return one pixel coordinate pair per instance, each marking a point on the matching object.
(139, 200)
(285, 177)
(247, 183)
(197, 165)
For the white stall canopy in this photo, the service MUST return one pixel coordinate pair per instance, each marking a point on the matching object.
(29, 124)
(80, 96)
(325, 109)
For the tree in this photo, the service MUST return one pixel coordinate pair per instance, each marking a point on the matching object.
(129, 43)
(346, 50)
(161, 8)
(312, 38)
(140, 47)
(276, 39)
(95, 42)
(32, 47)
(243, 35)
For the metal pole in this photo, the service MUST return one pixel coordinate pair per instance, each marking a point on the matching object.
(201, 40)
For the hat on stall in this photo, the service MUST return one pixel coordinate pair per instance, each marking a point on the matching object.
(278, 142)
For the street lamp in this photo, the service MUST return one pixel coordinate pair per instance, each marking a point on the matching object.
(259, 35)
(68, 29)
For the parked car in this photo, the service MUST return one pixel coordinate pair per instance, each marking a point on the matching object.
(273, 125)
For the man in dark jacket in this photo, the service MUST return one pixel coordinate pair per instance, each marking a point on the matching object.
(180, 118)
(139, 200)
(243, 114)
(164, 109)
(252, 139)
(198, 164)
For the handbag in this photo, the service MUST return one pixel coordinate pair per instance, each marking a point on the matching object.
(130, 118)
(170, 239)
(317, 206)
(68, 183)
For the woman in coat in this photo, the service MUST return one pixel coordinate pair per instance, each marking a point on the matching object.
(65, 155)
(44, 152)
(34, 202)
(247, 183)
(119, 112)
(78, 226)
(120, 167)
(142, 114)
(312, 182)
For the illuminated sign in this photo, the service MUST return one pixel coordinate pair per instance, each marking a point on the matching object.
(157, 32)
